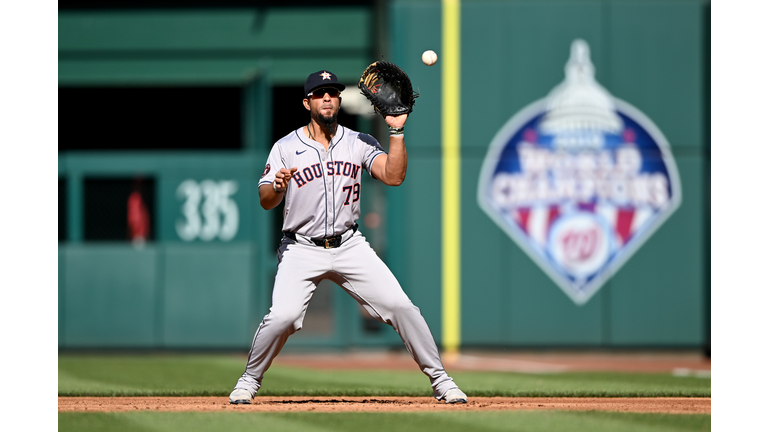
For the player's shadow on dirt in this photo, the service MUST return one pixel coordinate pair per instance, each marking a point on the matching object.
(339, 401)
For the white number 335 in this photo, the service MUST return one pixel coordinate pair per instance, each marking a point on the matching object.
(208, 210)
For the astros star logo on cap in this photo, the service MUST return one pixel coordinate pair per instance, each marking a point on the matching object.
(325, 75)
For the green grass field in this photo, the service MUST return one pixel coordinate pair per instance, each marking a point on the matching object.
(215, 375)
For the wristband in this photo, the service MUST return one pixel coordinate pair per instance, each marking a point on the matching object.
(396, 131)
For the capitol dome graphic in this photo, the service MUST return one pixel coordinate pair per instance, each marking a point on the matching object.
(580, 103)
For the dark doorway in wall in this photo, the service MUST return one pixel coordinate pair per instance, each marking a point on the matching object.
(150, 118)
(119, 209)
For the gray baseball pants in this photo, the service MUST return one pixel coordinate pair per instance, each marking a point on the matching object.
(358, 270)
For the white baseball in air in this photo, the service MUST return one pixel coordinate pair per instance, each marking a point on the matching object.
(429, 57)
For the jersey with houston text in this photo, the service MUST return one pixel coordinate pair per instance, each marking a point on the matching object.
(323, 197)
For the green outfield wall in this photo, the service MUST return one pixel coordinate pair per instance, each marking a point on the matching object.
(192, 287)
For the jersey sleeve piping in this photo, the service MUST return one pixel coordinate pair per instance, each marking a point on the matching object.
(370, 171)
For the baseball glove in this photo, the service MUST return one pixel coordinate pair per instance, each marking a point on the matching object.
(388, 88)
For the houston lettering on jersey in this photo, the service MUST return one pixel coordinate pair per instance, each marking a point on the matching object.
(334, 168)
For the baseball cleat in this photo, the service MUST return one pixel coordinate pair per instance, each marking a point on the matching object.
(455, 395)
(240, 396)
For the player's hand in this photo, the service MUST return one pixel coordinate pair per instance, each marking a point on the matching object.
(282, 178)
(396, 121)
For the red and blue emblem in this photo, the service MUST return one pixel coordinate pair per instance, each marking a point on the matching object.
(579, 180)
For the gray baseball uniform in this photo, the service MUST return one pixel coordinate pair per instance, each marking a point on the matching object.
(323, 200)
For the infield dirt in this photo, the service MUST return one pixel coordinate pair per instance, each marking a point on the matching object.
(386, 404)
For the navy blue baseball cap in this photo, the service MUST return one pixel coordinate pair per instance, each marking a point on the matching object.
(319, 79)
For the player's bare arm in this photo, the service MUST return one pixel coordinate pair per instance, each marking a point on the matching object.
(270, 195)
(390, 168)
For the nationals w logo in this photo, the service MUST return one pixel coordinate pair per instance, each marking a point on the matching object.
(579, 180)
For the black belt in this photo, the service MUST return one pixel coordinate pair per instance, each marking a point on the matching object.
(326, 242)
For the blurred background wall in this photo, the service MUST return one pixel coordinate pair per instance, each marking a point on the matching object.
(167, 112)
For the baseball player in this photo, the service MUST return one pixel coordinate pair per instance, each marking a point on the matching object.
(317, 169)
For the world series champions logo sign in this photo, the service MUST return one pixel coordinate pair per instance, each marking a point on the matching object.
(579, 180)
